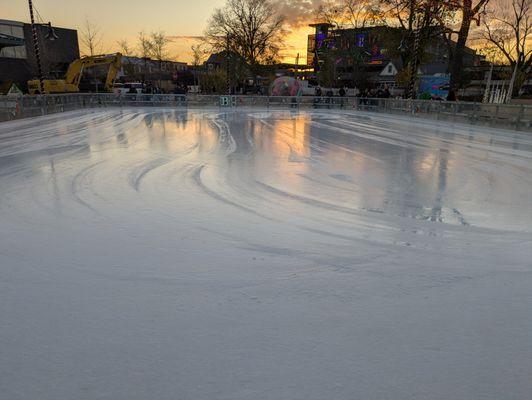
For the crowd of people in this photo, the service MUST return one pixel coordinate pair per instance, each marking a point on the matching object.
(375, 93)
(319, 93)
(383, 92)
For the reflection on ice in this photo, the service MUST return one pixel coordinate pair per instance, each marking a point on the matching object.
(284, 164)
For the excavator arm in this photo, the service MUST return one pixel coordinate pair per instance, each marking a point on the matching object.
(75, 69)
(74, 73)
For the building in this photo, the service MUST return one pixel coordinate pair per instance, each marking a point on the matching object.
(18, 63)
(375, 56)
(215, 61)
(165, 74)
(14, 67)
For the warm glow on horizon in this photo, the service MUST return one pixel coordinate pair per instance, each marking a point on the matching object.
(124, 19)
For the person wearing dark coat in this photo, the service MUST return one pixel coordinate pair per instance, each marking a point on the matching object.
(451, 96)
(342, 93)
(329, 94)
(317, 96)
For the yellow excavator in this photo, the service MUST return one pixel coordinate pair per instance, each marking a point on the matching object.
(70, 84)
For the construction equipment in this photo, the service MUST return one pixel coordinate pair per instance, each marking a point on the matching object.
(70, 84)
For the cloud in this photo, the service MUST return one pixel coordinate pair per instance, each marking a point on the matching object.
(185, 37)
(299, 13)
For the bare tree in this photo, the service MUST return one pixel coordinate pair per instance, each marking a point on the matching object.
(412, 15)
(153, 46)
(158, 44)
(443, 14)
(402, 11)
(508, 29)
(362, 13)
(144, 45)
(144, 49)
(422, 21)
(198, 55)
(125, 48)
(331, 12)
(469, 11)
(252, 29)
(354, 13)
(91, 38)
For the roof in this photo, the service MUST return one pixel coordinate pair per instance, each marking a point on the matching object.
(216, 58)
(322, 24)
(141, 60)
(219, 58)
(10, 22)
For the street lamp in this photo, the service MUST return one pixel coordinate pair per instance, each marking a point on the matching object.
(427, 8)
(51, 35)
(414, 64)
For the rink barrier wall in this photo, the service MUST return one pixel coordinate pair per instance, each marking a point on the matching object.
(508, 116)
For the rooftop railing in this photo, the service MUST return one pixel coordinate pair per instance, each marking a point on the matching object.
(518, 117)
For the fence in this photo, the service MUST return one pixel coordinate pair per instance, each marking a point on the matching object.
(508, 116)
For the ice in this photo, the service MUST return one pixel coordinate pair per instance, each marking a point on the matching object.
(255, 254)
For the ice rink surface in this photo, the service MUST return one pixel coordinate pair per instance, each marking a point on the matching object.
(162, 254)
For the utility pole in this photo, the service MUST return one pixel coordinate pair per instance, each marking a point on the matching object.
(415, 64)
(297, 65)
(425, 22)
(227, 67)
(36, 47)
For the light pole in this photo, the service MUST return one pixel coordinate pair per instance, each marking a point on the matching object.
(36, 47)
(427, 7)
(50, 35)
(415, 64)
(227, 67)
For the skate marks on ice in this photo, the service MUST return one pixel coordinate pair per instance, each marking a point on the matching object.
(331, 172)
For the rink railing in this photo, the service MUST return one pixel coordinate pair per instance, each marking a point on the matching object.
(502, 115)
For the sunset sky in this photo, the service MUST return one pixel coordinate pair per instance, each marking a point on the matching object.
(181, 19)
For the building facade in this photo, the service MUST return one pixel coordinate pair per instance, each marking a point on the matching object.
(376, 56)
(165, 74)
(18, 64)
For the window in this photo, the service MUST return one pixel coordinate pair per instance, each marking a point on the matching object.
(16, 30)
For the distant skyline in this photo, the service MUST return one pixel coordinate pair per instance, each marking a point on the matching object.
(124, 19)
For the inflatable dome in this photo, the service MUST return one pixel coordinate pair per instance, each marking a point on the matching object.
(285, 86)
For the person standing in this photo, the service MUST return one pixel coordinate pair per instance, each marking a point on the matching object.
(342, 93)
(386, 92)
(451, 96)
(317, 96)
(329, 97)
